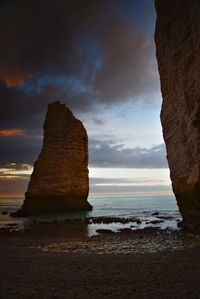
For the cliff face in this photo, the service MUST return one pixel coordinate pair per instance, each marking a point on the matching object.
(177, 40)
(59, 181)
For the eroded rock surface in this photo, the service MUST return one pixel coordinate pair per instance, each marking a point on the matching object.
(59, 181)
(177, 39)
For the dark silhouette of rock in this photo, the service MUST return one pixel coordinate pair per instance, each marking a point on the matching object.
(179, 223)
(177, 40)
(104, 231)
(156, 221)
(59, 181)
(165, 217)
(155, 214)
(125, 230)
(4, 213)
(107, 220)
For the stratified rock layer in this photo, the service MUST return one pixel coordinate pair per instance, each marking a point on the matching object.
(177, 39)
(59, 181)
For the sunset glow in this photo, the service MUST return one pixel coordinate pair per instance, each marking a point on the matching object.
(13, 80)
(11, 132)
(12, 170)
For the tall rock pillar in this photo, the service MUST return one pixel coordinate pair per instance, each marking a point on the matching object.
(59, 181)
(177, 38)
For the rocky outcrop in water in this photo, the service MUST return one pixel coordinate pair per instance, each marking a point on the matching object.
(59, 181)
(177, 39)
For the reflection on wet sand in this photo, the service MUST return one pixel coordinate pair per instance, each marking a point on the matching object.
(64, 225)
(73, 230)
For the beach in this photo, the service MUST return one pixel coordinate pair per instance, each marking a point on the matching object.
(134, 250)
(148, 263)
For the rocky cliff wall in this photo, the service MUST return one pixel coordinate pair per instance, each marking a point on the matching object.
(177, 38)
(59, 181)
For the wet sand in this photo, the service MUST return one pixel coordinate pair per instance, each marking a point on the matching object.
(139, 264)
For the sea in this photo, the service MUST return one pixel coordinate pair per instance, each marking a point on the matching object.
(151, 211)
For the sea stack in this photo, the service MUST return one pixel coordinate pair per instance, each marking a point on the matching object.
(59, 181)
(177, 38)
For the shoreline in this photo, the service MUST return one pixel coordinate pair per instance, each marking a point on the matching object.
(93, 225)
(150, 239)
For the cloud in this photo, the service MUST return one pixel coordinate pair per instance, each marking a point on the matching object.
(15, 171)
(11, 132)
(20, 149)
(107, 154)
(137, 190)
(14, 179)
(84, 52)
(120, 182)
(43, 37)
(127, 70)
(90, 54)
(16, 186)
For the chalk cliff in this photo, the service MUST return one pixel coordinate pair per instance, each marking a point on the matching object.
(59, 181)
(177, 38)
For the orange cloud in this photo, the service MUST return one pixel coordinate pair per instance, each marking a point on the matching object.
(11, 132)
(14, 171)
(12, 164)
(15, 80)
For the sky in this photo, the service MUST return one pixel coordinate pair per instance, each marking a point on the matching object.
(97, 57)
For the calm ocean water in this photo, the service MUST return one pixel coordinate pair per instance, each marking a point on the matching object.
(139, 206)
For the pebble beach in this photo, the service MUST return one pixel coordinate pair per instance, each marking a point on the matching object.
(147, 263)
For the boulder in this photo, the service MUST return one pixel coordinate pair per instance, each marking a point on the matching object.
(104, 231)
(177, 38)
(59, 181)
(4, 213)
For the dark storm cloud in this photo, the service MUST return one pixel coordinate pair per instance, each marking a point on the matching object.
(26, 110)
(106, 154)
(23, 149)
(44, 37)
(89, 54)
(127, 70)
(86, 51)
